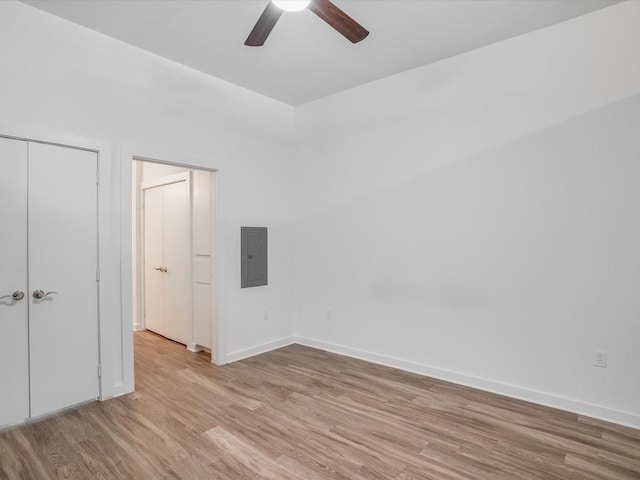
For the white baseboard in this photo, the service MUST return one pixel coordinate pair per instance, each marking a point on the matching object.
(137, 327)
(543, 398)
(118, 390)
(258, 349)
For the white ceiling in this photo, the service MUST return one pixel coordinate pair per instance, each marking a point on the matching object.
(303, 58)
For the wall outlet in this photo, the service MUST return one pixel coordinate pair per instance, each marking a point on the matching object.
(265, 314)
(329, 314)
(600, 358)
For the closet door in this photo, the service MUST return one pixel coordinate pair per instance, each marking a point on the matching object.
(154, 259)
(63, 329)
(167, 254)
(14, 327)
(177, 257)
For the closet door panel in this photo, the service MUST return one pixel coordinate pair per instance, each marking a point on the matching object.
(177, 257)
(62, 259)
(154, 259)
(14, 327)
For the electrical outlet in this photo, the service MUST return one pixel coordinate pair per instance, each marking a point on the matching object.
(600, 358)
(265, 314)
(329, 314)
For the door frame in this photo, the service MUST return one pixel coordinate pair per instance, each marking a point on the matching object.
(140, 302)
(128, 154)
(108, 286)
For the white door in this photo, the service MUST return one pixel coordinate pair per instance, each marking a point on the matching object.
(167, 254)
(63, 329)
(177, 257)
(154, 259)
(14, 326)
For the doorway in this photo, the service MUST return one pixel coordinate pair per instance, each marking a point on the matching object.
(172, 275)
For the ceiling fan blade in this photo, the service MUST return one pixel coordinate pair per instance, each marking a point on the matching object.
(264, 25)
(339, 20)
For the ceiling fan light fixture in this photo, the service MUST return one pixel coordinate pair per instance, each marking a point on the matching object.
(325, 9)
(291, 5)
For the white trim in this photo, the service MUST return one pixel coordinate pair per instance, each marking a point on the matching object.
(259, 349)
(167, 180)
(45, 135)
(126, 277)
(219, 331)
(129, 153)
(119, 389)
(109, 265)
(194, 347)
(514, 391)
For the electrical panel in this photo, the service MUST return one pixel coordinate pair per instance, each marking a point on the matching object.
(253, 250)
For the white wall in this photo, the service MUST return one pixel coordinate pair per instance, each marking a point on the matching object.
(62, 78)
(477, 219)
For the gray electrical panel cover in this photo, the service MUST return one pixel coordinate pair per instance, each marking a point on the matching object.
(253, 249)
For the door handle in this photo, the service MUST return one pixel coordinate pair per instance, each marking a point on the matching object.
(161, 269)
(17, 295)
(40, 294)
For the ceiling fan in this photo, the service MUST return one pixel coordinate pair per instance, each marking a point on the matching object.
(326, 10)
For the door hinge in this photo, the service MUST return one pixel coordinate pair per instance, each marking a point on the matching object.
(97, 178)
(98, 275)
(99, 371)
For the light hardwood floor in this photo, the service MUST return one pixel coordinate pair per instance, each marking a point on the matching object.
(300, 413)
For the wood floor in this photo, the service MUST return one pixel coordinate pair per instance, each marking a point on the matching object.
(300, 413)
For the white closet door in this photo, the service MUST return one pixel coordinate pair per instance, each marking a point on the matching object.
(14, 327)
(62, 258)
(177, 258)
(154, 259)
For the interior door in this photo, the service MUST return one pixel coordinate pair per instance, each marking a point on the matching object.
(62, 224)
(177, 258)
(14, 327)
(154, 259)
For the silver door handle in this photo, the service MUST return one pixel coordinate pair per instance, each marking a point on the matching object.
(17, 295)
(160, 269)
(41, 294)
